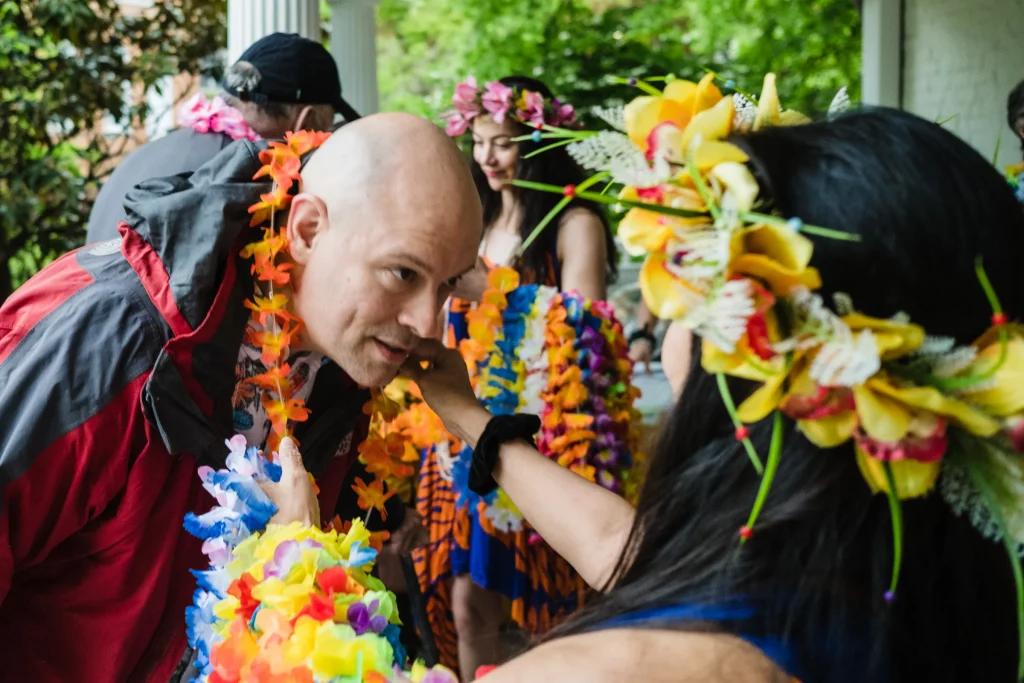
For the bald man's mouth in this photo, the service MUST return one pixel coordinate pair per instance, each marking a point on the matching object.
(392, 354)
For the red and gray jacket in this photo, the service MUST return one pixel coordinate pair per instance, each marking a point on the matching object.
(117, 367)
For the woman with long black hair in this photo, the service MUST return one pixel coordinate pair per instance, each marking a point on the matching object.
(808, 595)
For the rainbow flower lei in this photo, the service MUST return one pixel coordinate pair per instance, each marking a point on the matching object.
(500, 101)
(288, 604)
(921, 412)
(533, 349)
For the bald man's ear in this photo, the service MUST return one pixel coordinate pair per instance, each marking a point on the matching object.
(307, 219)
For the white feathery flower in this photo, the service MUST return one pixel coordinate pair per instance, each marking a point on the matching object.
(723, 317)
(704, 253)
(843, 303)
(955, 362)
(936, 346)
(615, 153)
(846, 360)
(746, 113)
(613, 116)
(840, 103)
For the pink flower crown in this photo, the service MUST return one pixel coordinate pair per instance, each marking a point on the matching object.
(501, 101)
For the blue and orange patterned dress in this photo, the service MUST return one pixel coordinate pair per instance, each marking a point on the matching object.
(543, 588)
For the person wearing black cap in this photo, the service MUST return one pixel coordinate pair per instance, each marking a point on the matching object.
(280, 83)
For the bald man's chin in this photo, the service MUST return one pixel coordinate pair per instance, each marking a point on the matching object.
(377, 365)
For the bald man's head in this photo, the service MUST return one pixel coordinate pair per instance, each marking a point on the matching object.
(387, 220)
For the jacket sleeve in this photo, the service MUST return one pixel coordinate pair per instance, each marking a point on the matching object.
(70, 380)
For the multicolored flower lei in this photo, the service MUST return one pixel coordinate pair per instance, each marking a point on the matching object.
(288, 604)
(533, 349)
(914, 406)
(1013, 176)
(500, 101)
(215, 116)
(274, 328)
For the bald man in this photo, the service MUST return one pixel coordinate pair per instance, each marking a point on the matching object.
(121, 368)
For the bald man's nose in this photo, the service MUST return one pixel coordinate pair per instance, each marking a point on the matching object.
(423, 315)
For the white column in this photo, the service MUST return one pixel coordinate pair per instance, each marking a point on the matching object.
(250, 20)
(354, 46)
(882, 49)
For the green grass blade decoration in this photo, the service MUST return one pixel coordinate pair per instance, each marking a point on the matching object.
(554, 145)
(896, 513)
(977, 477)
(998, 319)
(999, 142)
(605, 199)
(557, 209)
(774, 456)
(636, 83)
(754, 217)
(552, 214)
(730, 406)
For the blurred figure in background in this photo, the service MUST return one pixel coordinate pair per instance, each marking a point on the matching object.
(281, 83)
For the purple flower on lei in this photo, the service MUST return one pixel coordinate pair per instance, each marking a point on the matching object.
(362, 618)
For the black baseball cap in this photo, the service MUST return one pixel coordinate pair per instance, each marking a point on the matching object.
(293, 70)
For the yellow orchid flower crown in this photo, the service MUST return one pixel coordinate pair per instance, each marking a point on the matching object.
(916, 407)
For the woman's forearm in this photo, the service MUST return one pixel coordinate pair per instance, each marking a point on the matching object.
(584, 523)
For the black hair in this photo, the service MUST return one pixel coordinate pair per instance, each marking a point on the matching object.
(925, 205)
(554, 167)
(1015, 110)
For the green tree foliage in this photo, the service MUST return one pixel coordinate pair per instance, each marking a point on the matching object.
(426, 46)
(66, 64)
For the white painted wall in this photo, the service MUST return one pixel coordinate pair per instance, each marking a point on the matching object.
(962, 57)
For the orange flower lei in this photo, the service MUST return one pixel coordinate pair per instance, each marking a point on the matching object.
(282, 162)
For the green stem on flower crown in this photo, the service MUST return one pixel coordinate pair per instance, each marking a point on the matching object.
(557, 209)
(698, 181)
(730, 406)
(988, 498)
(554, 145)
(774, 456)
(642, 85)
(896, 513)
(754, 217)
(718, 77)
(605, 199)
(960, 383)
(550, 133)
(986, 286)
(608, 186)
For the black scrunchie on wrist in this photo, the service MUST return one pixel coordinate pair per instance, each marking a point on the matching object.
(500, 430)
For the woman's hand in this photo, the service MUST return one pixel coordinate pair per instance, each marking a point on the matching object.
(641, 351)
(293, 495)
(445, 386)
(472, 285)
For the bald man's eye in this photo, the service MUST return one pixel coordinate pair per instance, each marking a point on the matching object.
(404, 274)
